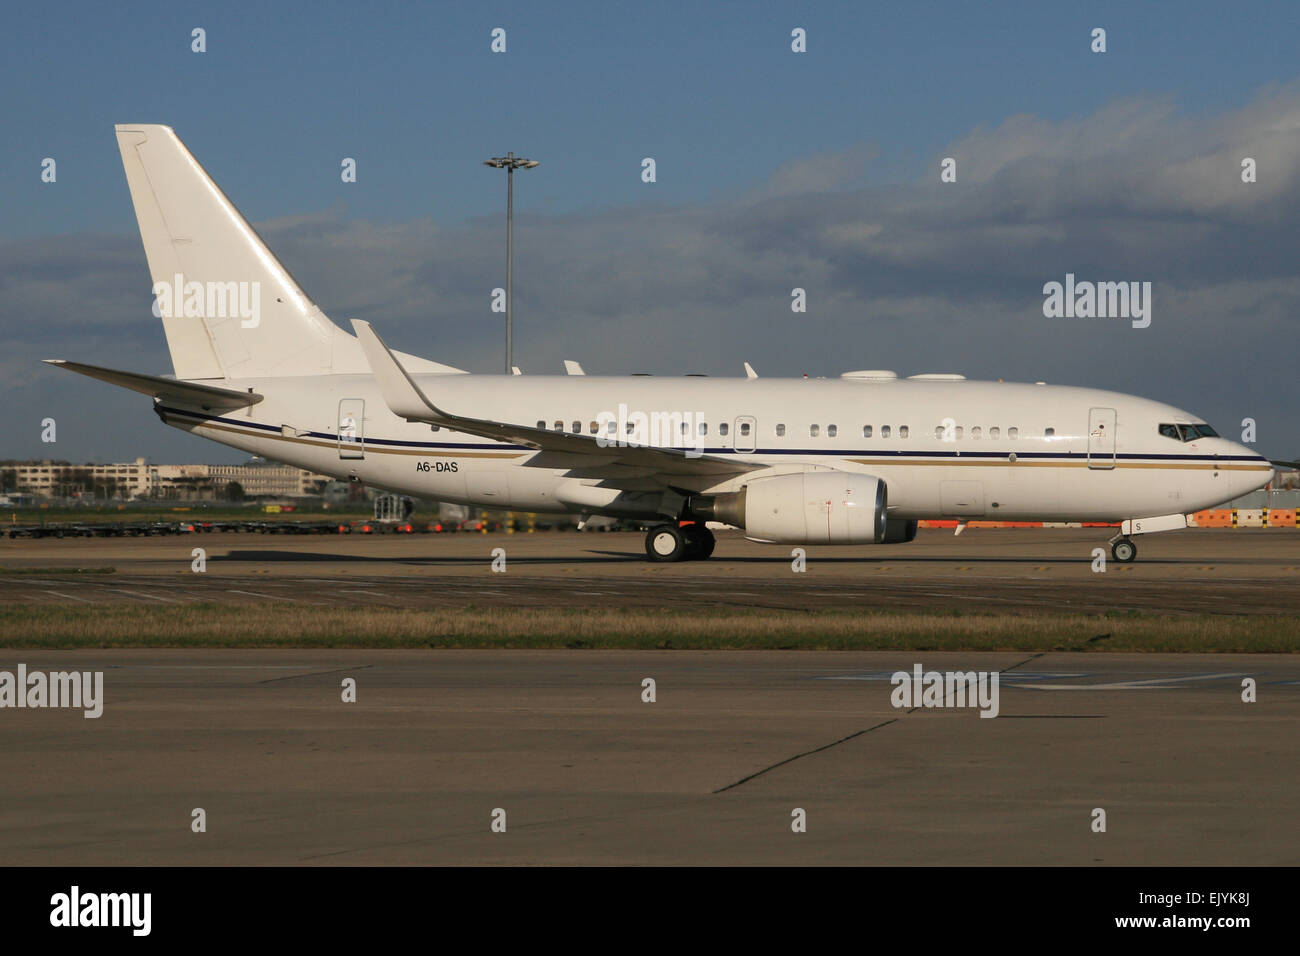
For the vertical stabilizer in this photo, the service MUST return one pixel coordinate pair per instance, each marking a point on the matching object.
(229, 308)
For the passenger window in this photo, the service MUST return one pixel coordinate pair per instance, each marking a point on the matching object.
(1049, 432)
(744, 428)
(611, 427)
(631, 427)
(723, 428)
(541, 425)
(780, 431)
(956, 433)
(1013, 433)
(939, 432)
(704, 428)
(995, 433)
(831, 431)
(595, 427)
(814, 430)
(884, 431)
(577, 428)
(866, 431)
(559, 425)
(686, 428)
(903, 431)
(976, 433)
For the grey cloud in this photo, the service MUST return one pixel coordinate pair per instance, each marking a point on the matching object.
(921, 276)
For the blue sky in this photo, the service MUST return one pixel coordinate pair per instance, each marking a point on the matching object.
(712, 91)
(774, 170)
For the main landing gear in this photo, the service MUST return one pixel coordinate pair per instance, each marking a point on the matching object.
(1123, 549)
(669, 542)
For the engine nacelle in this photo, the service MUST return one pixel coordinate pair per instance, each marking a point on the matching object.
(815, 507)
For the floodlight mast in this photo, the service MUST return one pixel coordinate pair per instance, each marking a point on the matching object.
(510, 162)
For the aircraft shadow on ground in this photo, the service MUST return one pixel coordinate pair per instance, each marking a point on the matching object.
(605, 557)
(308, 557)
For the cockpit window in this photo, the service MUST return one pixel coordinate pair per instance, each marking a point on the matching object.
(1188, 432)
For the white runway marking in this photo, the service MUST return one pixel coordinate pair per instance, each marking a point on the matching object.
(1155, 683)
(151, 597)
(1006, 677)
(72, 597)
(273, 597)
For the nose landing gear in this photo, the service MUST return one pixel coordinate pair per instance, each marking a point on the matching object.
(1123, 550)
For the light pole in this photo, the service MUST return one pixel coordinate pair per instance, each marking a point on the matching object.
(510, 162)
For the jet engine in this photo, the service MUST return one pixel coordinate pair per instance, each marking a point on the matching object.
(815, 507)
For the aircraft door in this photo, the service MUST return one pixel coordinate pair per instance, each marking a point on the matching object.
(746, 437)
(352, 417)
(1101, 438)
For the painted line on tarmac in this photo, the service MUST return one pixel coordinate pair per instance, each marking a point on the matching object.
(71, 597)
(142, 594)
(1155, 683)
(273, 597)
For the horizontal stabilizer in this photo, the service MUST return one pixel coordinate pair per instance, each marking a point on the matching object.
(207, 397)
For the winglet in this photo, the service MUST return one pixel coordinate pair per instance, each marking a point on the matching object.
(572, 368)
(401, 394)
(749, 371)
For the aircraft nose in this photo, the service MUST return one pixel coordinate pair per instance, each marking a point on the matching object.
(1254, 470)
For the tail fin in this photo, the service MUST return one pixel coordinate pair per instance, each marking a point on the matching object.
(229, 308)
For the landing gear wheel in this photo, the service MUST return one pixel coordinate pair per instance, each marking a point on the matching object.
(665, 542)
(1123, 551)
(699, 542)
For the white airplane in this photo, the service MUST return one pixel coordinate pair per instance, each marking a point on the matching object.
(853, 460)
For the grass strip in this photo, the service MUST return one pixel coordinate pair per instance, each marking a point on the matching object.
(280, 626)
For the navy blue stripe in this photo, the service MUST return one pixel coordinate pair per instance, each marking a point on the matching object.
(832, 452)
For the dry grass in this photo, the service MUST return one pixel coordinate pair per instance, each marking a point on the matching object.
(213, 625)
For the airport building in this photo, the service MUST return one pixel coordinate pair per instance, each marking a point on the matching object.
(125, 481)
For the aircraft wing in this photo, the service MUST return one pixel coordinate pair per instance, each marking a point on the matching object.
(207, 397)
(406, 400)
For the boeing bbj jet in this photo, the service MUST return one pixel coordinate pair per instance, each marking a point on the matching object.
(854, 460)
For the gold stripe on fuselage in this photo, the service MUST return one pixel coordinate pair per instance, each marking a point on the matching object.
(372, 449)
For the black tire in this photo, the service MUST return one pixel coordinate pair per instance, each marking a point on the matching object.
(710, 542)
(699, 542)
(1124, 551)
(665, 542)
